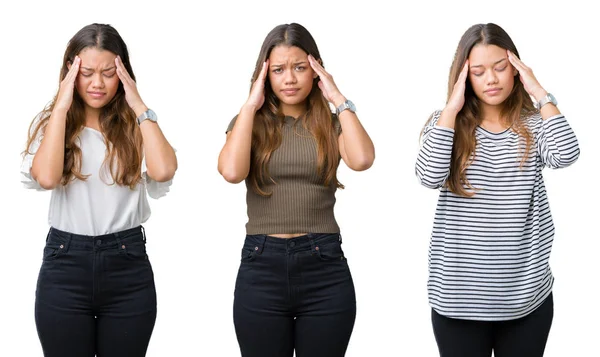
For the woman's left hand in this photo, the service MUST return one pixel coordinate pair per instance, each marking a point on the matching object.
(326, 83)
(131, 93)
(531, 84)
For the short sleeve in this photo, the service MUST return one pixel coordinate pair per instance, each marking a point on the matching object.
(231, 124)
(155, 189)
(26, 179)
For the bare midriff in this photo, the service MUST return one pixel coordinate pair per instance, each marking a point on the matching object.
(287, 235)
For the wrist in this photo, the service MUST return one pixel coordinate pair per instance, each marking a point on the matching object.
(139, 109)
(249, 108)
(539, 93)
(338, 100)
(450, 110)
(60, 112)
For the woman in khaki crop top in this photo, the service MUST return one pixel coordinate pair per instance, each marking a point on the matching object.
(294, 290)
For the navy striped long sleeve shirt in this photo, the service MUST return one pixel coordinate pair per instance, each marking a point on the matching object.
(489, 253)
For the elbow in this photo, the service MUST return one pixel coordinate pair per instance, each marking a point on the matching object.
(362, 163)
(434, 183)
(47, 183)
(231, 176)
(232, 173)
(163, 175)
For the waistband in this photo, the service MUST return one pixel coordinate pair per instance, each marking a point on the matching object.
(310, 241)
(67, 239)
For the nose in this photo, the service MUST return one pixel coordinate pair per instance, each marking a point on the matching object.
(491, 77)
(97, 81)
(290, 77)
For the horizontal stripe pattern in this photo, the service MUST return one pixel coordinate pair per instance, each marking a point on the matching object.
(488, 255)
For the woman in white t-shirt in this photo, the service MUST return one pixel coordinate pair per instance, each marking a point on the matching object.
(100, 150)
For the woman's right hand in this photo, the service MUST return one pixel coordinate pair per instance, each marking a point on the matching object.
(67, 86)
(257, 93)
(457, 99)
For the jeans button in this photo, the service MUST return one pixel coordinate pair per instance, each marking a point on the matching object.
(292, 244)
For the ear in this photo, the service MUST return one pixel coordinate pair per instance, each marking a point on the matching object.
(69, 64)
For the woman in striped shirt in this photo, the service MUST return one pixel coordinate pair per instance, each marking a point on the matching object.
(490, 284)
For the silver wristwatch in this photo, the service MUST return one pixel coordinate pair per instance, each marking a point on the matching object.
(346, 105)
(548, 98)
(148, 114)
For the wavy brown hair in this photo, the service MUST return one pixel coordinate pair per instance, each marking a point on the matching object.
(268, 121)
(515, 109)
(117, 120)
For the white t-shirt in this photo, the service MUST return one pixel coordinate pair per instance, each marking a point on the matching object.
(95, 206)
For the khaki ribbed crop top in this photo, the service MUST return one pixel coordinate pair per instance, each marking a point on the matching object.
(300, 203)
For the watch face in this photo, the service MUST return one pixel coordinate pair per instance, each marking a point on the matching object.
(351, 106)
(151, 115)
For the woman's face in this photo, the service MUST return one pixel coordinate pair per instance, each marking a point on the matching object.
(491, 74)
(291, 75)
(97, 81)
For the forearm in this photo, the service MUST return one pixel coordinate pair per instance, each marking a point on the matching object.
(48, 163)
(358, 146)
(433, 163)
(161, 161)
(234, 159)
(447, 118)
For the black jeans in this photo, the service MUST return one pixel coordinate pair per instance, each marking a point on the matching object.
(95, 295)
(294, 294)
(524, 337)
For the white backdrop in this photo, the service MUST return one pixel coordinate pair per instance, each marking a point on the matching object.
(194, 66)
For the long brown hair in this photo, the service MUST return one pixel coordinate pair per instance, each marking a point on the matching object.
(268, 121)
(117, 120)
(515, 109)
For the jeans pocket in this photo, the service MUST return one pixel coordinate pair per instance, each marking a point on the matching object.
(330, 252)
(135, 251)
(53, 251)
(248, 255)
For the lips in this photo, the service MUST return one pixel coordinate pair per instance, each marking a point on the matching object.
(290, 91)
(96, 94)
(493, 91)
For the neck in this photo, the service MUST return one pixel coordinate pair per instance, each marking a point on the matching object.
(295, 110)
(491, 118)
(92, 118)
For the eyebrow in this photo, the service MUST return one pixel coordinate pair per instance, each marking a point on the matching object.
(495, 63)
(91, 69)
(295, 64)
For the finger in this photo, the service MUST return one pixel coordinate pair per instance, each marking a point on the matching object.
(264, 71)
(74, 70)
(316, 66)
(516, 62)
(462, 77)
(122, 71)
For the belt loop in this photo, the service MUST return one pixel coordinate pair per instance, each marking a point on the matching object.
(68, 242)
(340, 235)
(143, 233)
(120, 246)
(49, 233)
(313, 245)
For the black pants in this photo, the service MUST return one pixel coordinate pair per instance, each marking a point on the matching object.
(294, 294)
(95, 295)
(524, 337)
